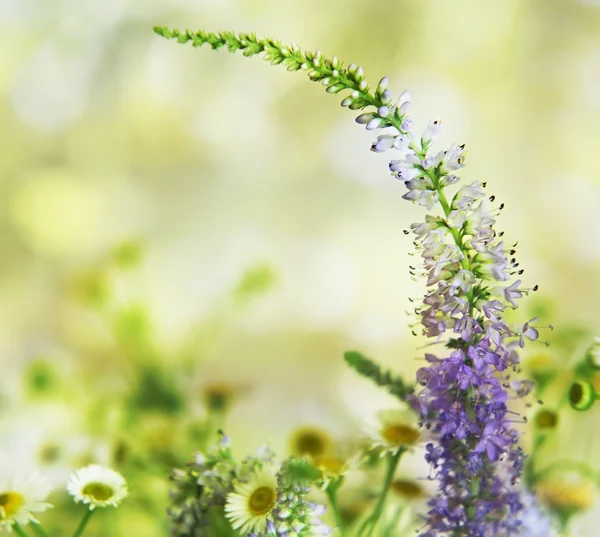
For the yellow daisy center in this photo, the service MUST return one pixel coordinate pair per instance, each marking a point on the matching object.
(98, 491)
(400, 434)
(310, 442)
(10, 503)
(261, 501)
(407, 489)
(546, 419)
(218, 396)
(331, 465)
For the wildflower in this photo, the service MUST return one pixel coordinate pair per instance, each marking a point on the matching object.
(408, 489)
(203, 486)
(250, 506)
(295, 514)
(311, 442)
(535, 520)
(97, 486)
(396, 430)
(473, 450)
(275, 504)
(566, 494)
(20, 498)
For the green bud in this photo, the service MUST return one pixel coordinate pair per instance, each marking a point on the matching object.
(582, 395)
(593, 355)
(335, 88)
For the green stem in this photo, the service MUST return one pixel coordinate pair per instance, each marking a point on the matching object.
(38, 530)
(371, 522)
(580, 467)
(391, 529)
(331, 492)
(83, 522)
(18, 529)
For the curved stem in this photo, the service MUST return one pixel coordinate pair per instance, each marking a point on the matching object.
(19, 530)
(371, 522)
(331, 492)
(83, 522)
(37, 529)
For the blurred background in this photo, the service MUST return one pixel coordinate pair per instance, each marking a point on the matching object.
(182, 228)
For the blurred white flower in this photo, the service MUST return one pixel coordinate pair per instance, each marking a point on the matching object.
(20, 497)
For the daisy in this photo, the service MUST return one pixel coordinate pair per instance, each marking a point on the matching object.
(97, 486)
(567, 493)
(250, 506)
(397, 430)
(311, 442)
(20, 498)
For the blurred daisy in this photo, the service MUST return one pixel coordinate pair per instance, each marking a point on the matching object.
(312, 442)
(249, 507)
(396, 430)
(97, 486)
(20, 498)
(567, 493)
(408, 489)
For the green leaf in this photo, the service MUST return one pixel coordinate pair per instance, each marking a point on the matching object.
(300, 471)
(371, 370)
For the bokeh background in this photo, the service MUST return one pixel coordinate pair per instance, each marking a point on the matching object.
(177, 222)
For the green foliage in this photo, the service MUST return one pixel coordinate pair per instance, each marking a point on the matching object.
(128, 254)
(155, 391)
(254, 282)
(133, 331)
(299, 471)
(41, 377)
(371, 370)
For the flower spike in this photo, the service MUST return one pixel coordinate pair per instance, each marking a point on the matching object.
(473, 449)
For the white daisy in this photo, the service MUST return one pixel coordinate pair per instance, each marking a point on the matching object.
(396, 430)
(250, 506)
(97, 486)
(20, 498)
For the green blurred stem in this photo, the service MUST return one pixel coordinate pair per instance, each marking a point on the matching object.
(371, 522)
(83, 522)
(331, 492)
(38, 530)
(581, 468)
(391, 529)
(18, 529)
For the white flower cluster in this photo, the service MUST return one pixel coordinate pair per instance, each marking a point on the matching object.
(22, 497)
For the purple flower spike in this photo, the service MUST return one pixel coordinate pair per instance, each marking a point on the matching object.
(474, 453)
